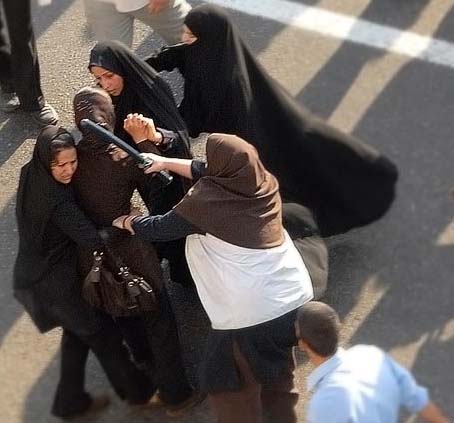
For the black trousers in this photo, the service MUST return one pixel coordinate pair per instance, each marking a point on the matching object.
(107, 345)
(169, 372)
(174, 252)
(19, 64)
(153, 338)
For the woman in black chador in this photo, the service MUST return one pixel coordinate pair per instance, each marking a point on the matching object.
(136, 88)
(51, 227)
(345, 182)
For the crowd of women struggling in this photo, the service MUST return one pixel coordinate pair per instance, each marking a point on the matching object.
(244, 225)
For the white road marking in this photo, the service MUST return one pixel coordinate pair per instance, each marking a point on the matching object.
(348, 28)
(446, 238)
(372, 292)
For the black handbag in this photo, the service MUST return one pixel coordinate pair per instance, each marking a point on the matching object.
(118, 292)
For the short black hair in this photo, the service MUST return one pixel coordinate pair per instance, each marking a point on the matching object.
(318, 326)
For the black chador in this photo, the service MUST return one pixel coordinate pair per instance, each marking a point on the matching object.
(344, 181)
(144, 91)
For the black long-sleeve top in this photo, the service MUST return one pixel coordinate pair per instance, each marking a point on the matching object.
(67, 228)
(46, 280)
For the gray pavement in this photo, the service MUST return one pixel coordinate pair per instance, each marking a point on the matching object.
(391, 282)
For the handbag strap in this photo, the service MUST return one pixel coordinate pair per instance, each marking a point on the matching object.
(103, 233)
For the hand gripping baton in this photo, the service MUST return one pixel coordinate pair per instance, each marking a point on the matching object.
(109, 138)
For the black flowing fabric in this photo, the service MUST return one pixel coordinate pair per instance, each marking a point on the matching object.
(302, 229)
(345, 182)
(50, 226)
(144, 91)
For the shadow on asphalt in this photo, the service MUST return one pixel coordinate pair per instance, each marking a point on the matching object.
(11, 310)
(334, 84)
(15, 128)
(45, 16)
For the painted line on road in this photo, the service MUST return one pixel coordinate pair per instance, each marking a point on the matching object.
(372, 292)
(348, 28)
(447, 236)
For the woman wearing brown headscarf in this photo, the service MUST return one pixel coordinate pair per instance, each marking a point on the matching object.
(248, 274)
(104, 189)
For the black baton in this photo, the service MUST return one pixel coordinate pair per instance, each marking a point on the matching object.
(110, 138)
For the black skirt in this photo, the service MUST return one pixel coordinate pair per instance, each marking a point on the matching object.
(267, 347)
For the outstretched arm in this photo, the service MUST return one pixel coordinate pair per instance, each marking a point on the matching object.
(168, 58)
(414, 397)
(73, 222)
(182, 167)
(167, 227)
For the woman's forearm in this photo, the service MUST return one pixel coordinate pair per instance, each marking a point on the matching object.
(181, 167)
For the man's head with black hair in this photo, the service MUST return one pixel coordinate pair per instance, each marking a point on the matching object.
(317, 329)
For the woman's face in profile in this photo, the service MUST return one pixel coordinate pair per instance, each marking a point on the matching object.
(109, 81)
(64, 165)
(187, 36)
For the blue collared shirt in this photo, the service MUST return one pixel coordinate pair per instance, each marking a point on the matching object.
(362, 385)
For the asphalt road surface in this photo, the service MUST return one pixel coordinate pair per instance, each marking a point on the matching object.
(392, 282)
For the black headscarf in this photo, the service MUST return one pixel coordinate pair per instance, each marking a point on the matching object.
(345, 182)
(144, 91)
(218, 92)
(45, 278)
(39, 193)
(103, 187)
